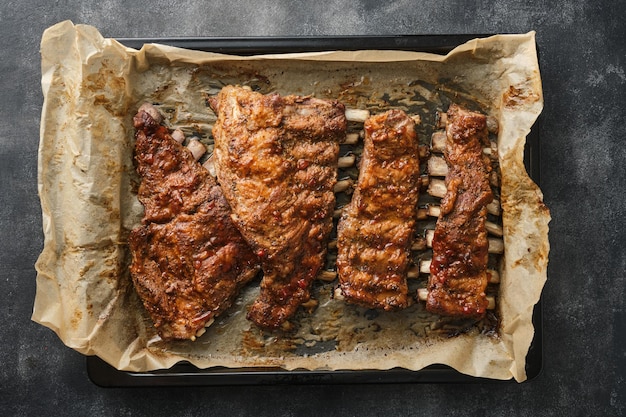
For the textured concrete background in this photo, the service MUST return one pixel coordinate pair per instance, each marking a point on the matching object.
(583, 150)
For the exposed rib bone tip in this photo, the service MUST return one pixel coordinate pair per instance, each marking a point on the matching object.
(357, 115)
(196, 148)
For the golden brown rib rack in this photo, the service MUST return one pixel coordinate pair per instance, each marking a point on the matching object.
(376, 229)
(188, 259)
(458, 279)
(276, 160)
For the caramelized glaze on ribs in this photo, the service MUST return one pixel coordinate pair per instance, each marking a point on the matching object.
(188, 259)
(376, 228)
(458, 269)
(276, 160)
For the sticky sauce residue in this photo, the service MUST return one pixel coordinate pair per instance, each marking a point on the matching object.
(519, 96)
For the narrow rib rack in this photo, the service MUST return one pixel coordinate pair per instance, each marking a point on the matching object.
(376, 229)
(459, 277)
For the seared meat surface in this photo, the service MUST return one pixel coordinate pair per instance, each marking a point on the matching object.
(188, 259)
(376, 229)
(276, 161)
(460, 247)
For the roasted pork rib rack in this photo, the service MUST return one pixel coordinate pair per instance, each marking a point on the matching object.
(276, 161)
(375, 230)
(188, 259)
(458, 270)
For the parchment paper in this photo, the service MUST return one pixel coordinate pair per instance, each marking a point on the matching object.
(93, 86)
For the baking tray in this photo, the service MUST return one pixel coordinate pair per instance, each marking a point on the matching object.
(185, 374)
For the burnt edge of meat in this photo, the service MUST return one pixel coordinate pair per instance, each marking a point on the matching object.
(376, 229)
(188, 260)
(458, 279)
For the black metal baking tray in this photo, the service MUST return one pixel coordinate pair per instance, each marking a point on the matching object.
(438, 44)
(185, 374)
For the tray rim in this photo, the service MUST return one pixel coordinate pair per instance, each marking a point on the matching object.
(252, 45)
(183, 374)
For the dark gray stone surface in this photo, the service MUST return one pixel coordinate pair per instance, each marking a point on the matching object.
(583, 149)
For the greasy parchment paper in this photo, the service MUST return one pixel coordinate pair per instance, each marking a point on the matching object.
(92, 87)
